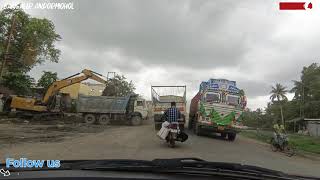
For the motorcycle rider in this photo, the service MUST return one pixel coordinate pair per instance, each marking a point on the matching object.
(276, 133)
(172, 114)
(279, 133)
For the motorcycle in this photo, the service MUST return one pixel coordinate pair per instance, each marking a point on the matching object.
(173, 133)
(280, 142)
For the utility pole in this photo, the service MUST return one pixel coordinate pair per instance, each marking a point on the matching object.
(13, 23)
(109, 73)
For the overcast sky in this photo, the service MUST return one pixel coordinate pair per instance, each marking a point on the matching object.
(184, 42)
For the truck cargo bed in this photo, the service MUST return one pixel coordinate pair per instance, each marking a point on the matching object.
(102, 104)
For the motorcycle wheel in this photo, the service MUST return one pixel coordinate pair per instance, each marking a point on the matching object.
(172, 142)
(289, 151)
(273, 145)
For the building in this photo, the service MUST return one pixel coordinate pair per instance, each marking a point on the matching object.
(95, 89)
(306, 126)
(88, 89)
(313, 126)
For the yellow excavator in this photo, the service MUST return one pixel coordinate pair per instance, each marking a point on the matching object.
(49, 103)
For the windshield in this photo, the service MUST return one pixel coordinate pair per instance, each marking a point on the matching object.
(213, 97)
(233, 100)
(106, 79)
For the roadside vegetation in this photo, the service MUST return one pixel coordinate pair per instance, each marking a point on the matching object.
(301, 143)
(280, 110)
(305, 103)
(26, 42)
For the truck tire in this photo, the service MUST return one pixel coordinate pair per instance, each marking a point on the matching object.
(223, 135)
(89, 119)
(231, 136)
(157, 126)
(197, 129)
(104, 119)
(136, 121)
(157, 118)
(190, 123)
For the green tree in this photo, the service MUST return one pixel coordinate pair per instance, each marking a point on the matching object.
(47, 79)
(118, 86)
(278, 93)
(19, 82)
(33, 39)
(241, 92)
(307, 91)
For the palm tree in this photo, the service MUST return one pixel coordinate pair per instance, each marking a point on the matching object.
(241, 92)
(279, 92)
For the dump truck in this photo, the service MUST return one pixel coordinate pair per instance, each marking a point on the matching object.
(104, 110)
(162, 96)
(217, 108)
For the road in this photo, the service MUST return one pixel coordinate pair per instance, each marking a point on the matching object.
(141, 143)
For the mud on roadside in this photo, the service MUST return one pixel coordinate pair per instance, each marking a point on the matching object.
(16, 130)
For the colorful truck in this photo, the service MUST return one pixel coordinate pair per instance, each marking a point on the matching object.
(217, 108)
(162, 96)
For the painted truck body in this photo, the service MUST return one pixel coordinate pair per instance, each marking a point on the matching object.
(105, 109)
(217, 108)
(162, 101)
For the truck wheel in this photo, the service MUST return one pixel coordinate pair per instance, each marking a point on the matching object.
(89, 118)
(104, 119)
(223, 135)
(136, 120)
(157, 126)
(197, 129)
(231, 136)
(190, 123)
(157, 118)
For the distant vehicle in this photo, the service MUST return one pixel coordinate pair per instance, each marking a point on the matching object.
(217, 108)
(105, 109)
(162, 96)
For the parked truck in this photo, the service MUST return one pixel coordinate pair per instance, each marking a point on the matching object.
(162, 96)
(103, 110)
(217, 108)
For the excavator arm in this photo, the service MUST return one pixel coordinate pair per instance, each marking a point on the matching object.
(57, 85)
(30, 104)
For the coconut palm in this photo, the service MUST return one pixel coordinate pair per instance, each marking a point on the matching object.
(278, 92)
(241, 92)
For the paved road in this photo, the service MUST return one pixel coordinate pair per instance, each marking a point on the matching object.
(142, 143)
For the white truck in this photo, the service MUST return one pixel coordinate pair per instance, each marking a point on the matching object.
(162, 96)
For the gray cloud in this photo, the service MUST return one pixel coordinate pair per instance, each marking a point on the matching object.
(186, 42)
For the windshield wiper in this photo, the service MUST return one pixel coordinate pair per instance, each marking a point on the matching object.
(185, 166)
(194, 166)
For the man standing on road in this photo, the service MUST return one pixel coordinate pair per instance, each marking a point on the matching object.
(172, 114)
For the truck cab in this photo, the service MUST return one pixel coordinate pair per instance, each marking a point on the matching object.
(217, 108)
(140, 106)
